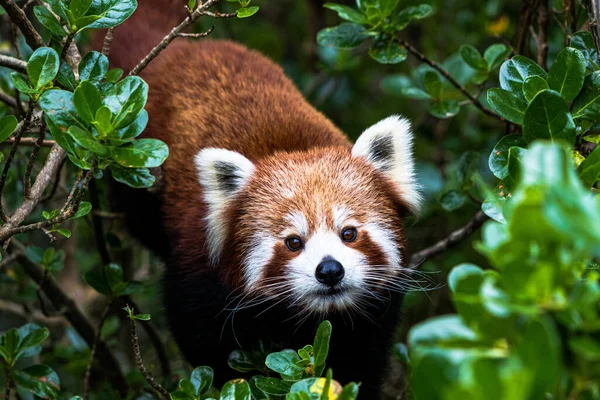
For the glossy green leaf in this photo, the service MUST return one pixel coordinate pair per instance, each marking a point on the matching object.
(49, 21)
(34, 338)
(495, 55)
(567, 73)
(433, 84)
(202, 379)
(244, 361)
(237, 389)
(8, 124)
(79, 7)
(66, 77)
(126, 100)
(444, 108)
(586, 106)
(284, 363)
(247, 11)
(589, 169)
(40, 380)
(113, 75)
(111, 12)
(507, 104)
(88, 141)
(21, 84)
(453, 200)
(42, 67)
(345, 36)
(460, 272)
(347, 13)
(473, 58)
(148, 153)
(321, 343)
(58, 106)
(84, 209)
(103, 120)
(273, 386)
(532, 86)
(87, 100)
(516, 70)
(404, 17)
(387, 51)
(498, 161)
(134, 177)
(548, 117)
(134, 129)
(93, 67)
(415, 93)
(584, 42)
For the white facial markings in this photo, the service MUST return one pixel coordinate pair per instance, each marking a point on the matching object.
(299, 224)
(384, 238)
(222, 173)
(340, 215)
(302, 270)
(258, 255)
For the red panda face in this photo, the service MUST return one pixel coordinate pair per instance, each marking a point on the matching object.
(320, 229)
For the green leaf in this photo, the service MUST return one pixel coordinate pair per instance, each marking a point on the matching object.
(87, 100)
(247, 11)
(12, 340)
(113, 75)
(148, 153)
(126, 100)
(42, 67)
(404, 17)
(59, 8)
(34, 254)
(244, 361)
(142, 317)
(498, 161)
(567, 73)
(461, 272)
(516, 70)
(345, 36)
(273, 386)
(64, 232)
(321, 343)
(433, 84)
(453, 200)
(586, 106)
(113, 275)
(93, 67)
(589, 169)
(532, 86)
(347, 13)
(473, 58)
(21, 84)
(40, 380)
(415, 93)
(79, 7)
(58, 106)
(135, 128)
(84, 209)
(34, 338)
(181, 395)
(111, 12)
(134, 177)
(8, 124)
(88, 141)
(66, 77)
(495, 55)
(584, 42)
(102, 120)
(284, 363)
(586, 348)
(202, 379)
(237, 389)
(49, 21)
(387, 51)
(444, 108)
(548, 117)
(507, 104)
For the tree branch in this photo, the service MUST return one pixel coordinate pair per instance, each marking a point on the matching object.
(18, 17)
(175, 32)
(60, 300)
(449, 77)
(593, 9)
(108, 41)
(13, 63)
(450, 241)
(97, 338)
(30, 141)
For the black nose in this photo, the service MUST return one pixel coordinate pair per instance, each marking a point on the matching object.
(329, 272)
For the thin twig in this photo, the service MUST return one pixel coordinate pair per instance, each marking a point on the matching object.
(13, 63)
(97, 337)
(449, 241)
(66, 46)
(8, 100)
(591, 7)
(217, 14)
(61, 301)
(160, 391)
(108, 41)
(450, 79)
(541, 38)
(197, 35)
(19, 18)
(30, 141)
(172, 35)
(15, 42)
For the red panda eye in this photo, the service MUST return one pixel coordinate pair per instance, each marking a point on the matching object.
(349, 235)
(294, 243)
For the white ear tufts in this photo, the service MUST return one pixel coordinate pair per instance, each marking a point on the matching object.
(222, 173)
(387, 145)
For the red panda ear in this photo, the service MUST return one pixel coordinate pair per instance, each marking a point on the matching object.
(387, 145)
(222, 173)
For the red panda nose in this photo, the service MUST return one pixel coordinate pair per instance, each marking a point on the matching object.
(329, 272)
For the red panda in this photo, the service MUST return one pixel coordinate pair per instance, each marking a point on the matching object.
(268, 218)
